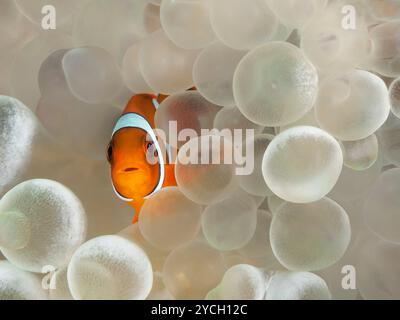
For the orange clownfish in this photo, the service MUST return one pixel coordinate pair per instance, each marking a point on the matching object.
(133, 144)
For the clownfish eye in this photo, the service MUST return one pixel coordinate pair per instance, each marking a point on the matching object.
(109, 152)
(151, 151)
(149, 145)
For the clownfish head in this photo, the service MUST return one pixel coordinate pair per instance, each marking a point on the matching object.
(134, 153)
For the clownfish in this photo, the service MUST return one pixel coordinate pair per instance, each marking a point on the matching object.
(133, 143)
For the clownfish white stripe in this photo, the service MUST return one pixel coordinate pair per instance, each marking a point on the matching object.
(134, 120)
(155, 103)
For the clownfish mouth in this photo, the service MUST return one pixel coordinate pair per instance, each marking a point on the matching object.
(131, 169)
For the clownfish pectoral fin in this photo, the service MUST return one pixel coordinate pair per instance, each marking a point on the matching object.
(170, 180)
(137, 205)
